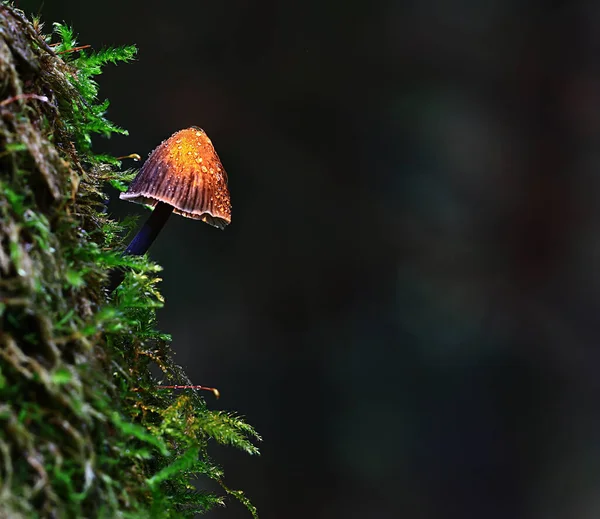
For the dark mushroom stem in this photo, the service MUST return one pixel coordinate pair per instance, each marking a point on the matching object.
(147, 234)
(142, 240)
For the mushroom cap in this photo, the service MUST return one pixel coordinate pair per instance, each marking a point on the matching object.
(185, 172)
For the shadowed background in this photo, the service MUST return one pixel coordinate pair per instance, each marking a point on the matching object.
(405, 304)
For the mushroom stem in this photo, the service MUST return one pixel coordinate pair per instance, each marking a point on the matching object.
(142, 240)
(147, 234)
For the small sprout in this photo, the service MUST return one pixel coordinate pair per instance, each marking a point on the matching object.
(133, 156)
(214, 390)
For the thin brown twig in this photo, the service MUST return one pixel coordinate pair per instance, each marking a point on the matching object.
(24, 96)
(74, 49)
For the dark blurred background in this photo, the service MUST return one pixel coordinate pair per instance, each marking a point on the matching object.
(406, 302)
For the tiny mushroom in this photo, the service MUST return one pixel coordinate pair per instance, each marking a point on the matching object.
(183, 175)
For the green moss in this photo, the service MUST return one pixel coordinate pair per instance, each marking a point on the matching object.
(84, 431)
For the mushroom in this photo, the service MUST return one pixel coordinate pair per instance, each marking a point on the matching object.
(183, 175)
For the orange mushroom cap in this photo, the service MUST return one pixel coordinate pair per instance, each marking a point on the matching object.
(185, 172)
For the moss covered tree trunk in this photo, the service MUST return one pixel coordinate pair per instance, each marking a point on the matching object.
(83, 430)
